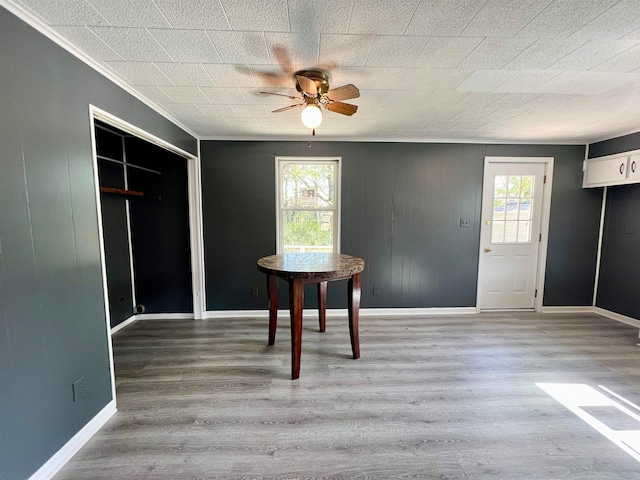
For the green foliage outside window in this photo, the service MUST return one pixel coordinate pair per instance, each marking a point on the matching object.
(308, 229)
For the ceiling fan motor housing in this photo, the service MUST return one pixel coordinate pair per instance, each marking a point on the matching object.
(314, 87)
(318, 76)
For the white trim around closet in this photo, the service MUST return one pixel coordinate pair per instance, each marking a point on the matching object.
(195, 198)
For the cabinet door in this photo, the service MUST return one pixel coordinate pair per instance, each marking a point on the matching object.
(606, 171)
(634, 168)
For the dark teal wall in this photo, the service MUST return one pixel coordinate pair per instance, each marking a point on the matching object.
(401, 210)
(619, 281)
(52, 321)
(626, 143)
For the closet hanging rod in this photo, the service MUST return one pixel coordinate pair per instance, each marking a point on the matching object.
(102, 157)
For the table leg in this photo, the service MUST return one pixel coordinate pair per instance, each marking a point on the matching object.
(272, 289)
(354, 313)
(322, 305)
(296, 296)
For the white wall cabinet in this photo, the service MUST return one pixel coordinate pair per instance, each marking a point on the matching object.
(619, 169)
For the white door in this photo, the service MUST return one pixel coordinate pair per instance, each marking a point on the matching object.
(510, 235)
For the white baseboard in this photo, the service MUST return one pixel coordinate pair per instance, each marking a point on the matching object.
(124, 324)
(418, 312)
(164, 316)
(342, 312)
(369, 312)
(62, 456)
(213, 314)
(617, 316)
(597, 310)
(577, 309)
(151, 316)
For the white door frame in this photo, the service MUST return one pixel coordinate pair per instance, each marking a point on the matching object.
(194, 183)
(195, 201)
(544, 222)
(195, 218)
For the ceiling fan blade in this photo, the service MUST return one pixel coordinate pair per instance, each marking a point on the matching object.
(289, 107)
(284, 59)
(307, 85)
(268, 78)
(344, 92)
(273, 79)
(282, 95)
(343, 108)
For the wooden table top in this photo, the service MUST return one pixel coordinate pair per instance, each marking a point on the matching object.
(311, 265)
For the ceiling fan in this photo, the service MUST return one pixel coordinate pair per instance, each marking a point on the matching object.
(314, 88)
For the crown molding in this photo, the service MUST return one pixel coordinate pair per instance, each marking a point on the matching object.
(39, 25)
(616, 135)
(318, 139)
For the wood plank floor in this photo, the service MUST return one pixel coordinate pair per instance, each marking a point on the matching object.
(432, 397)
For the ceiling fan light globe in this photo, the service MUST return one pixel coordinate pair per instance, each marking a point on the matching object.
(311, 116)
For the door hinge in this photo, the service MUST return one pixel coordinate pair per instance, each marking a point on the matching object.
(540, 238)
(536, 294)
(545, 179)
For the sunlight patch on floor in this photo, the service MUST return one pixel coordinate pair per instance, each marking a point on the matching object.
(607, 415)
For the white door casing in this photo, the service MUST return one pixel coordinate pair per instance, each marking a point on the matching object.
(515, 214)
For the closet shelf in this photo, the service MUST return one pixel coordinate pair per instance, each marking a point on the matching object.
(119, 191)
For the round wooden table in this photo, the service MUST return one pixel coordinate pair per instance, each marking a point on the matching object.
(299, 269)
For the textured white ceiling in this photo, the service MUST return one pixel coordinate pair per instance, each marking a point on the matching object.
(464, 70)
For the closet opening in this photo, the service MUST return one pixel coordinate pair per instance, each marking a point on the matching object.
(145, 211)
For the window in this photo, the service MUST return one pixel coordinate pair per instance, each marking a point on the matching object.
(512, 207)
(308, 204)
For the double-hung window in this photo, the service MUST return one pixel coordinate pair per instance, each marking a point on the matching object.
(308, 204)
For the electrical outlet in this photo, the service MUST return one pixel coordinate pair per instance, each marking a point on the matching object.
(464, 223)
(376, 290)
(254, 291)
(78, 389)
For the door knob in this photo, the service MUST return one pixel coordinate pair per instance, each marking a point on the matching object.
(487, 249)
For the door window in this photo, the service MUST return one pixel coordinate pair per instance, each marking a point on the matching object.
(512, 207)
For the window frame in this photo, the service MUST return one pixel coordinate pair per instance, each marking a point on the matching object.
(280, 161)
